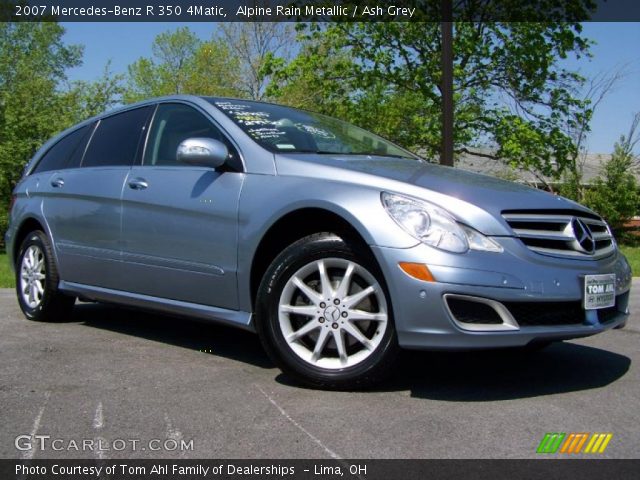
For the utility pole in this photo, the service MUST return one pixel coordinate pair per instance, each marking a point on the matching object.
(446, 86)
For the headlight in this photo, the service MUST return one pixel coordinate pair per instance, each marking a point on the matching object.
(478, 241)
(435, 226)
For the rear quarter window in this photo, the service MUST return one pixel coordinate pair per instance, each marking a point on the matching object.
(66, 153)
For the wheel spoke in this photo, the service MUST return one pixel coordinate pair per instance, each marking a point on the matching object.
(327, 290)
(320, 343)
(32, 294)
(345, 283)
(39, 288)
(342, 351)
(359, 315)
(311, 294)
(356, 298)
(304, 330)
(26, 262)
(307, 310)
(358, 335)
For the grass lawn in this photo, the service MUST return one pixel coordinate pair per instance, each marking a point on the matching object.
(6, 275)
(633, 255)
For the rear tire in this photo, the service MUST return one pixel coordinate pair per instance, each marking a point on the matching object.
(37, 281)
(324, 315)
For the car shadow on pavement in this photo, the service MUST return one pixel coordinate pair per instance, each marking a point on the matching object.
(500, 374)
(471, 376)
(506, 374)
(202, 336)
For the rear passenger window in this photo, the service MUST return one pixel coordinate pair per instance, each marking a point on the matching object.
(116, 139)
(59, 156)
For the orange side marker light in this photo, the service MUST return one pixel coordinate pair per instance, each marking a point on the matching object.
(417, 270)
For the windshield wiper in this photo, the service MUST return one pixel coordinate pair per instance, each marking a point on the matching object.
(364, 154)
(321, 152)
(376, 154)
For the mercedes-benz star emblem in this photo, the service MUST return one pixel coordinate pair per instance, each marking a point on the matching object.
(584, 238)
(332, 313)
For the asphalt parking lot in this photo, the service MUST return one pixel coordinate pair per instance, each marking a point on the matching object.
(125, 378)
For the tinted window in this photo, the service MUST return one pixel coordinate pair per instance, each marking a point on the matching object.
(59, 156)
(116, 139)
(172, 124)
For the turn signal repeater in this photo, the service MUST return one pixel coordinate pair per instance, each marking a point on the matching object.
(417, 270)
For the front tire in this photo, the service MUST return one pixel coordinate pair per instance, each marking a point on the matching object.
(37, 281)
(324, 315)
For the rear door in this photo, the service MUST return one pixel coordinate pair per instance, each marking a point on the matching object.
(179, 227)
(82, 203)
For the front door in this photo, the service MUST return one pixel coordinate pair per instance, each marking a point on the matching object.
(179, 227)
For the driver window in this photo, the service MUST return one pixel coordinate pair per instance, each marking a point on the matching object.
(172, 124)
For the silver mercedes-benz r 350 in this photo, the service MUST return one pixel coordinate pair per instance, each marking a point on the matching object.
(336, 246)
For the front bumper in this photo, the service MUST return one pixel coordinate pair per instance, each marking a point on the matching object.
(517, 276)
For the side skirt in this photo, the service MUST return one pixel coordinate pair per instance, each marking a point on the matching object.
(235, 318)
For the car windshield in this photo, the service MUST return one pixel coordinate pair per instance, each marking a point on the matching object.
(289, 130)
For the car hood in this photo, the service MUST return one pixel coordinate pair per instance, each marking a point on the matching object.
(490, 194)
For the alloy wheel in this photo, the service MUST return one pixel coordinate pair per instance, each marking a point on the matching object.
(33, 276)
(333, 313)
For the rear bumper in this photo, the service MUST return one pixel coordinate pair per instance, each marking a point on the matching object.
(515, 277)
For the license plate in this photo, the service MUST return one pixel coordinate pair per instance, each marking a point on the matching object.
(599, 291)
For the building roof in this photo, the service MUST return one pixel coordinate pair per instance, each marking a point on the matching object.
(479, 164)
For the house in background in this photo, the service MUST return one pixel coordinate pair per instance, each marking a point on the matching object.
(591, 168)
(477, 163)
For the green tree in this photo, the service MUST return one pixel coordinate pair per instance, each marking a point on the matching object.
(313, 79)
(33, 63)
(182, 63)
(511, 91)
(85, 99)
(614, 194)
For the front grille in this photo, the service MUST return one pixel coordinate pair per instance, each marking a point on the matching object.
(467, 311)
(557, 232)
(533, 314)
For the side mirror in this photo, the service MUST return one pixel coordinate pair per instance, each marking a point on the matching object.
(205, 152)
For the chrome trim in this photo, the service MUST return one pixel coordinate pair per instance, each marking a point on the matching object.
(543, 234)
(603, 252)
(559, 228)
(508, 322)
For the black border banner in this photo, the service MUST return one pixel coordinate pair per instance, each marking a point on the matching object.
(548, 469)
(319, 10)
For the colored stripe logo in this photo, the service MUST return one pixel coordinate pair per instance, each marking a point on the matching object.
(582, 442)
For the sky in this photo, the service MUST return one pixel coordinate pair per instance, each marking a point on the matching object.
(617, 45)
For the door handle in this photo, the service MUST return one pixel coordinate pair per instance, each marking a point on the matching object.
(57, 182)
(138, 184)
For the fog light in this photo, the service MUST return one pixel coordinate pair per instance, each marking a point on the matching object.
(417, 270)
